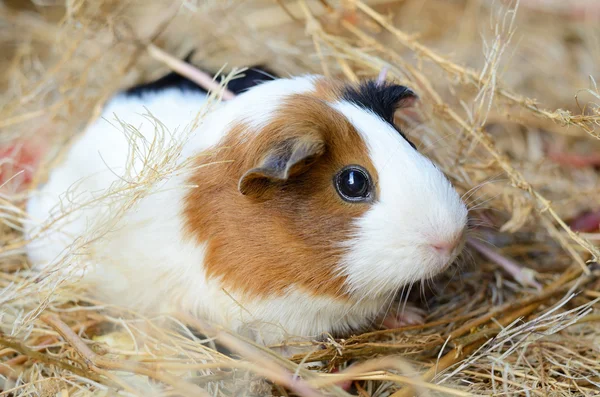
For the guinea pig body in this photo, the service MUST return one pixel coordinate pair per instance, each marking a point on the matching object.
(304, 211)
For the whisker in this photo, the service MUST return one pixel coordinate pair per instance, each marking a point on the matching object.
(485, 182)
(407, 295)
(478, 206)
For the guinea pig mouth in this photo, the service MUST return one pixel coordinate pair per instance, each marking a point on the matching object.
(451, 256)
(447, 260)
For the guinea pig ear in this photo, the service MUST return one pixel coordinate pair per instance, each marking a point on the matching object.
(382, 98)
(407, 99)
(282, 161)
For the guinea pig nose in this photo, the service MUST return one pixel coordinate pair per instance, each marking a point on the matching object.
(444, 248)
(447, 247)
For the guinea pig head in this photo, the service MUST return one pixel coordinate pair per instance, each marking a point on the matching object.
(326, 196)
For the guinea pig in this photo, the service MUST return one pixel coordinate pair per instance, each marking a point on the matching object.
(304, 211)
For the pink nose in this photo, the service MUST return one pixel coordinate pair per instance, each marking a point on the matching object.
(448, 247)
(445, 248)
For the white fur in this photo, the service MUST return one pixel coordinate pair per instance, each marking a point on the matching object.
(146, 262)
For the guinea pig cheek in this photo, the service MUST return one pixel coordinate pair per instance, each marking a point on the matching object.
(374, 263)
(384, 253)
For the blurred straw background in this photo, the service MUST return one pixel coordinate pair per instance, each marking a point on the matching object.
(509, 109)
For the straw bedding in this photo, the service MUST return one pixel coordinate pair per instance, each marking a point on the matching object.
(509, 109)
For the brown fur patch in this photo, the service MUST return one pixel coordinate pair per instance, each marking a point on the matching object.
(263, 246)
(328, 90)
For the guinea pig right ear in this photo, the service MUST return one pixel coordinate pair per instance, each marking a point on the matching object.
(283, 160)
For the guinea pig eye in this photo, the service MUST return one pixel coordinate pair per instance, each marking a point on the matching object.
(353, 183)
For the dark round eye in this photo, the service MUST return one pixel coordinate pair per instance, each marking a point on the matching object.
(353, 183)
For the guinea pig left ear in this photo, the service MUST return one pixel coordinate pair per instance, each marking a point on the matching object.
(284, 160)
(407, 99)
(396, 96)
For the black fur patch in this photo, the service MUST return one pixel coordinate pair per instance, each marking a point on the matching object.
(382, 99)
(170, 80)
(251, 77)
